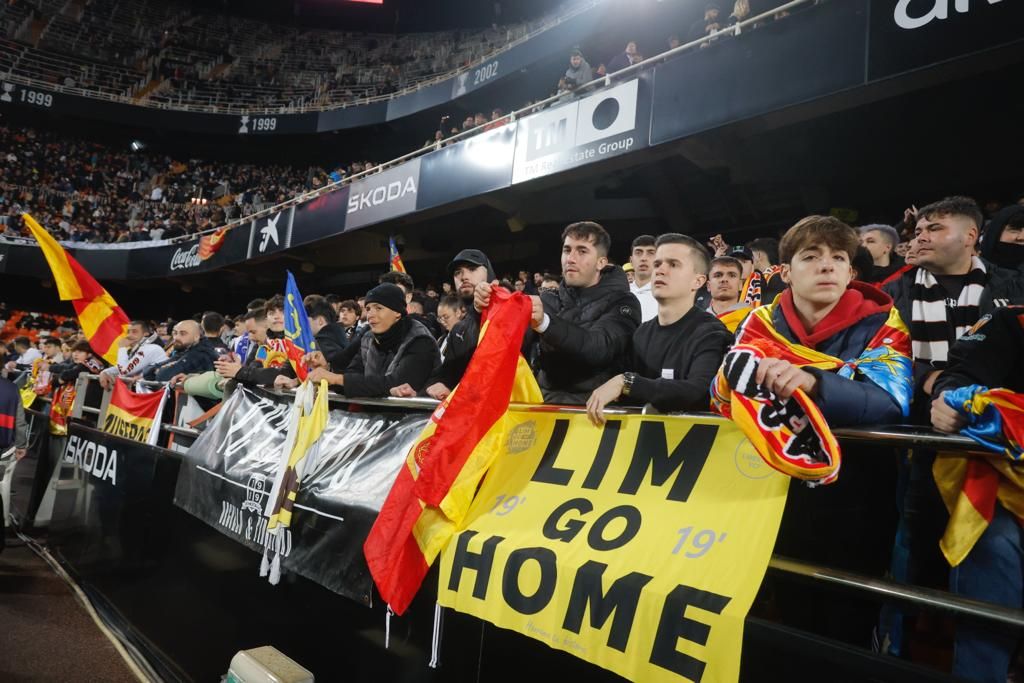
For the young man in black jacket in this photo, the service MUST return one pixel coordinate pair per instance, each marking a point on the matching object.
(331, 337)
(676, 355)
(583, 329)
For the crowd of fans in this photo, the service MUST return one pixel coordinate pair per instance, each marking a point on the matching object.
(89, 192)
(184, 53)
(876, 325)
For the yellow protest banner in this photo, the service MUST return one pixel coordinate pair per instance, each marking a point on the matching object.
(638, 546)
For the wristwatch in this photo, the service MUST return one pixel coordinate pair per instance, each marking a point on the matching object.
(627, 382)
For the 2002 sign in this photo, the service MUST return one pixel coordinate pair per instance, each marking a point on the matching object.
(485, 73)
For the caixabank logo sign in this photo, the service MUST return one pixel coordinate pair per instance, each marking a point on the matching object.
(599, 126)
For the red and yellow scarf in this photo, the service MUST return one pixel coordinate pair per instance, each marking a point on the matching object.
(792, 435)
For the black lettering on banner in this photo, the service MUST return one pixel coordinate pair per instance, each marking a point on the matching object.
(480, 562)
(529, 604)
(674, 624)
(633, 519)
(603, 457)
(567, 531)
(621, 599)
(687, 459)
(546, 472)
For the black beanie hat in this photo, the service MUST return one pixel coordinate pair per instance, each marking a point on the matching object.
(387, 295)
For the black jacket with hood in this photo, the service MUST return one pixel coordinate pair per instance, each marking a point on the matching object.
(1009, 256)
(587, 340)
(461, 342)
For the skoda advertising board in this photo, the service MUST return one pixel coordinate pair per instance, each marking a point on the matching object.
(384, 195)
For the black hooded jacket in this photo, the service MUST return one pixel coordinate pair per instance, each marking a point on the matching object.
(1010, 256)
(462, 340)
(587, 340)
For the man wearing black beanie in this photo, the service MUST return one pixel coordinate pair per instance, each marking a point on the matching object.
(397, 350)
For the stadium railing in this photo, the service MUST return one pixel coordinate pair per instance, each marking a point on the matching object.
(877, 589)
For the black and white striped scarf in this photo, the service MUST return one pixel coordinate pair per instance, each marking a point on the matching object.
(933, 326)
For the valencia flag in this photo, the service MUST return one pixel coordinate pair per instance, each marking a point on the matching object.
(103, 322)
(394, 258)
(971, 486)
(435, 487)
(134, 416)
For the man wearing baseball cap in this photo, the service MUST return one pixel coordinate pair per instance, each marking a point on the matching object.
(469, 268)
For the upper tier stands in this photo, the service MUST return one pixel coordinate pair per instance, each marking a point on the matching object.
(161, 53)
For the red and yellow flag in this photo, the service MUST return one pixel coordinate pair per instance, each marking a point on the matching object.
(432, 492)
(211, 244)
(134, 416)
(103, 322)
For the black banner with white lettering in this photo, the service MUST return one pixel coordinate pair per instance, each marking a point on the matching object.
(271, 233)
(909, 34)
(229, 471)
(105, 499)
(181, 258)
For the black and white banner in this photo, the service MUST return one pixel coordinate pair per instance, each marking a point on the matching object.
(599, 126)
(227, 475)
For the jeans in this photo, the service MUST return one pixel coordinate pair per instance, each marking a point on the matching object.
(994, 572)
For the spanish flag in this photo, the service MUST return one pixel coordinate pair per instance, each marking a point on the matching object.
(394, 258)
(134, 416)
(971, 486)
(211, 244)
(433, 491)
(103, 322)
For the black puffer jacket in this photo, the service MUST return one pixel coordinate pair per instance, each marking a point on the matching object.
(587, 340)
(406, 354)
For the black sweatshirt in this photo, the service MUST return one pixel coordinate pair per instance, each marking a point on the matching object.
(676, 363)
(990, 354)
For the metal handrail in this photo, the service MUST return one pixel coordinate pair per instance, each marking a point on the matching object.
(923, 597)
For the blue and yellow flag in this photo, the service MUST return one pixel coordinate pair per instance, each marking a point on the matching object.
(394, 258)
(297, 332)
